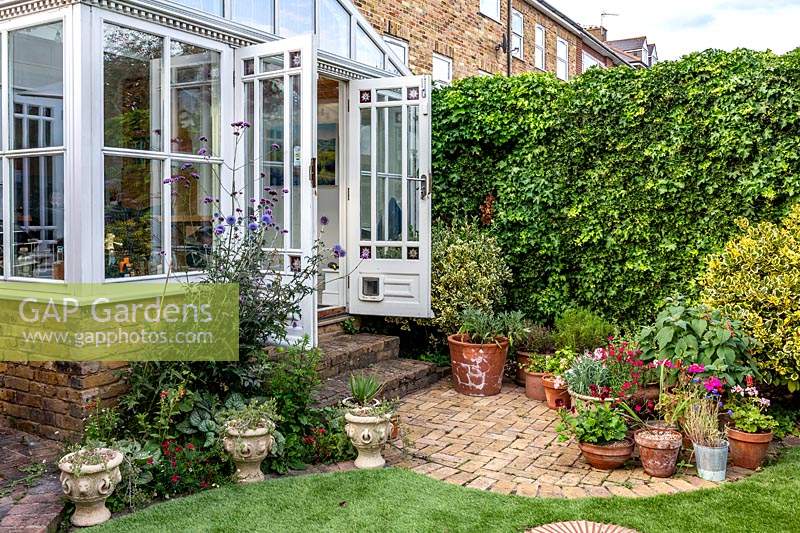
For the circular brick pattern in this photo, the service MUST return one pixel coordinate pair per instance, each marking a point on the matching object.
(581, 526)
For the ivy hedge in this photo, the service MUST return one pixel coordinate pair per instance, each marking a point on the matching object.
(610, 191)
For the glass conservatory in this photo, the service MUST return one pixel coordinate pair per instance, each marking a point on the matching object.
(104, 101)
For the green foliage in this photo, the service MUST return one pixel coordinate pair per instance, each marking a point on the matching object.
(592, 423)
(700, 335)
(751, 418)
(467, 272)
(349, 326)
(364, 388)
(581, 330)
(537, 340)
(756, 279)
(612, 190)
(487, 328)
(255, 414)
(559, 362)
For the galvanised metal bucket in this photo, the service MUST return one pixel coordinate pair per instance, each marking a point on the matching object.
(711, 462)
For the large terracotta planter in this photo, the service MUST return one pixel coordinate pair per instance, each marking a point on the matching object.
(748, 450)
(477, 368)
(523, 359)
(534, 388)
(368, 435)
(248, 449)
(557, 398)
(89, 485)
(658, 450)
(607, 456)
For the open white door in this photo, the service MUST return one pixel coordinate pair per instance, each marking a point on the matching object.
(276, 94)
(389, 208)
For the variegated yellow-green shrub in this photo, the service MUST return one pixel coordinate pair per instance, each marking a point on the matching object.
(756, 279)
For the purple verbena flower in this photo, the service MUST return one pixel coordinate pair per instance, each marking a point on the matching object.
(219, 230)
(323, 220)
(252, 226)
(266, 218)
(338, 251)
(230, 220)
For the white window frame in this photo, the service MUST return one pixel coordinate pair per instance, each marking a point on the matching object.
(72, 218)
(519, 53)
(486, 4)
(540, 49)
(399, 43)
(95, 116)
(449, 62)
(562, 61)
(589, 61)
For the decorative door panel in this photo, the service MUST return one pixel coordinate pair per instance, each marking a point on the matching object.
(389, 208)
(276, 94)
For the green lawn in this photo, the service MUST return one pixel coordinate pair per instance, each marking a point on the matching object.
(400, 500)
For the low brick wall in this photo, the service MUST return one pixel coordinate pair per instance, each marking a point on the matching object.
(49, 398)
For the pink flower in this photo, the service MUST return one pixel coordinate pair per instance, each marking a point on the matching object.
(696, 368)
(713, 384)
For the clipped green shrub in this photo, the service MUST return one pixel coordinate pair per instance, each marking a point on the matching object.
(468, 272)
(610, 191)
(756, 279)
(580, 330)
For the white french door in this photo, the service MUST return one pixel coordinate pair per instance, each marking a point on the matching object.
(276, 94)
(389, 208)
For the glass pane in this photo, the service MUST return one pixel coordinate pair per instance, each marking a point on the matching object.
(194, 188)
(209, 6)
(389, 95)
(132, 88)
(366, 174)
(334, 34)
(294, 230)
(389, 186)
(37, 84)
(256, 13)
(38, 205)
(272, 63)
(367, 51)
(133, 217)
(296, 17)
(389, 252)
(195, 86)
(516, 23)
(272, 150)
(414, 187)
(249, 185)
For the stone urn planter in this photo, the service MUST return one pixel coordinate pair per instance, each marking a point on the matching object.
(477, 368)
(711, 462)
(368, 432)
(556, 392)
(748, 450)
(534, 388)
(248, 448)
(658, 450)
(607, 456)
(88, 478)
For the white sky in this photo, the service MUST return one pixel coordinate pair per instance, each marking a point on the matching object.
(682, 26)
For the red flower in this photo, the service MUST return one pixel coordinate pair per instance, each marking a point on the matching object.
(174, 478)
(638, 408)
(204, 484)
(164, 394)
(178, 449)
(749, 380)
(149, 460)
(309, 439)
(190, 446)
(173, 463)
(321, 431)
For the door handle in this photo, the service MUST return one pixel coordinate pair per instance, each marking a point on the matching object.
(426, 186)
(312, 174)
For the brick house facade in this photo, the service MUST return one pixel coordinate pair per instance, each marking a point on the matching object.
(458, 30)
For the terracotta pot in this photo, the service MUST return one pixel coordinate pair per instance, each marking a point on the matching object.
(477, 368)
(534, 388)
(607, 456)
(748, 450)
(658, 450)
(395, 433)
(89, 485)
(523, 358)
(647, 393)
(557, 398)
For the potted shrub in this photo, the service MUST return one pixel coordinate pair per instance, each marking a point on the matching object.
(537, 341)
(701, 424)
(479, 350)
(581, 330)
(605, 375)
(751, 429)
(601, 433)
(369, 420)
(249, 431)
(88, 478)
(555, 388)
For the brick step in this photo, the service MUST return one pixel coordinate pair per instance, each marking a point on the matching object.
(331, 326)
(400, 377)
(342, 353)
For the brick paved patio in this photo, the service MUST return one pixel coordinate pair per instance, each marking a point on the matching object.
(508, 444)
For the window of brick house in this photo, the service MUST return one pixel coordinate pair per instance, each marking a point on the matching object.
(442, 69)
(517, 34)
(539, 52)
(562, 59)
(398, 47)
(491, 8)
(589, 61)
